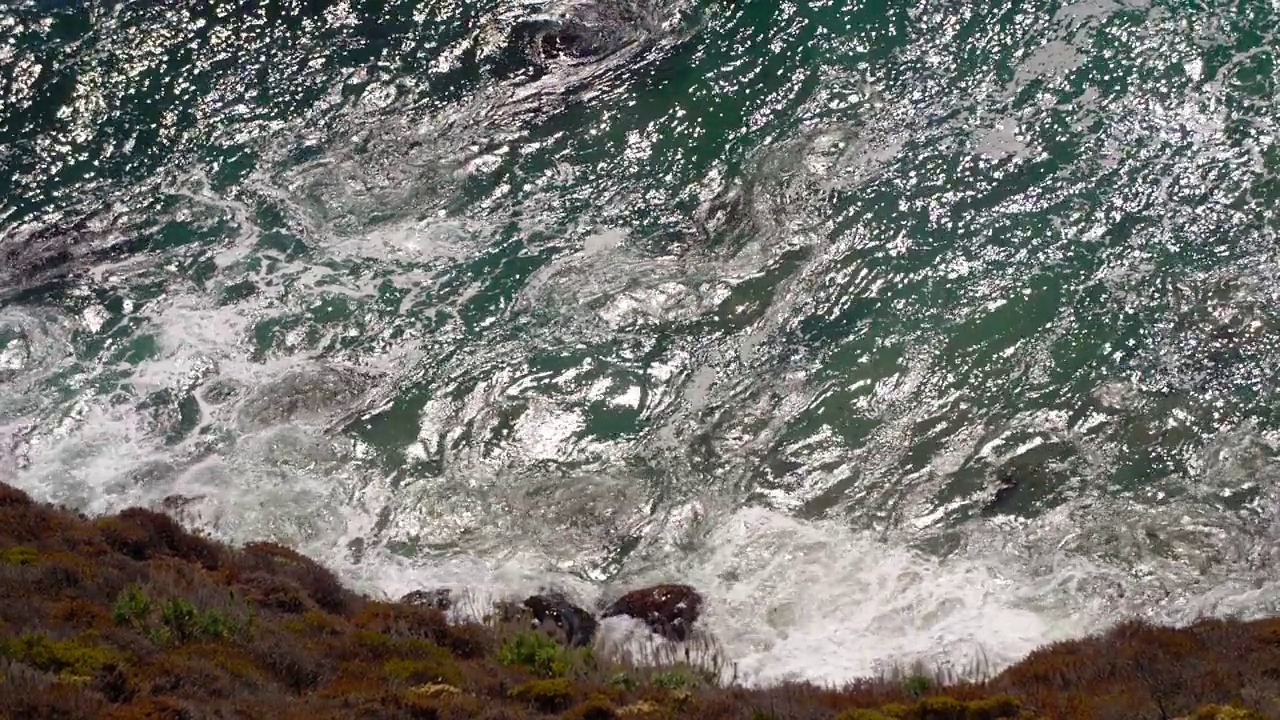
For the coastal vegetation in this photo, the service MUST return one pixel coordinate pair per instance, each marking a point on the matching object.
(132, 617)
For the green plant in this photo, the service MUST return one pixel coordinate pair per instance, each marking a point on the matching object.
(535, 652)
(180, 617)
(622, 680)
(19, 555)
(181, 622)
(132, 607)
(916, 685)
(213, 624)
(674, 679)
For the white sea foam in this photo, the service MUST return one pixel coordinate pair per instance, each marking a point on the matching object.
(786, 598)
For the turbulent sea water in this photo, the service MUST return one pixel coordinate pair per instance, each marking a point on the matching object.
(904, 330)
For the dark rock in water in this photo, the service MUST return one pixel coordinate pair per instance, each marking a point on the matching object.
(439, 598)
(1025, 485)
(584, 32)
(183, 508)
(669, 610)
(1006, 488)
(550, 39)
(177, 503)
(577, 625)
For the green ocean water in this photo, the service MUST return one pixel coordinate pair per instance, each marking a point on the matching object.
(902, 330)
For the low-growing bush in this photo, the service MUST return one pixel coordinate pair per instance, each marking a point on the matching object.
(19, 555)
(72, 657)
(593, 708)
(864, 714)
(536, 652)
(1225, 712)
(320, 584)
(545, 695)
(438, 667)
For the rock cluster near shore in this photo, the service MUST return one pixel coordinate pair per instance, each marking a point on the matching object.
(669, 610)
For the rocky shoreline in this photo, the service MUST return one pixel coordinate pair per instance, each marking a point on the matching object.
(130, 617)
(669, 610)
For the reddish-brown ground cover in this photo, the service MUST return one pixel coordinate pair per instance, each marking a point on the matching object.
(130, 616)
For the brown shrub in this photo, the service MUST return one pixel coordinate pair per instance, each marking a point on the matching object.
(717, 706)
(36, 525)
(229, 657)
(316, 622)
(31, 695)
(499, 712)
(126, 538)
(292, 666)
(11, 496)
(461, 707)
(113, 684)
(469, 640)
(320, 584)
(56, 578)
(402, 620)
(1137, 669)
(81, 613)
(489, 678)
(152, 708)
(182, 676)
(351, 679)
(384, 705)
(276, 593)
(594, 708)
(18, 580)
(142, 534)
(418, 707)
(68, 569)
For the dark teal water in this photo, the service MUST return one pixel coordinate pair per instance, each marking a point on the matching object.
(904, 330)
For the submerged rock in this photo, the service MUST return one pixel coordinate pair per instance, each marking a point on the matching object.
(547, 40)
(669, 610)
(578, 33)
